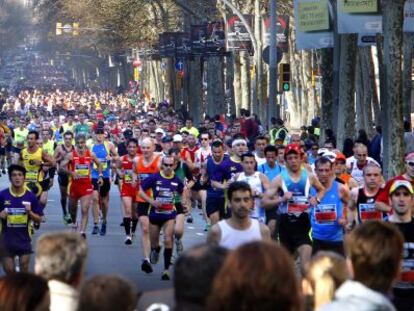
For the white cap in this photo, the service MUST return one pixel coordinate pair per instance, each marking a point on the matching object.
(177, 138)
(160, 130)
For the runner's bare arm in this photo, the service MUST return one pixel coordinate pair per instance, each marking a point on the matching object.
(353, 197)
(147, 198)
(47, 159)
(265, 232)
(271, 197)
(265, 181)
(381, 206)
(352, 183)
(318, 186)
(214, 236)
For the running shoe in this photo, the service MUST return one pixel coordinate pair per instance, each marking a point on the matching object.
(146, 266)
(3, 171)
(103, 229)
(83, 235)
(179, 246)
(128, 240)
(154, 256)
(36, 225)
(190, 219)
(67, 220)
(165, 275)
(95, 229)
(207, 227)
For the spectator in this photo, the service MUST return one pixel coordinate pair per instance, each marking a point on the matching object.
(348, 147)
(408, 138)
(194, 273)
(61, 258)
(375, 145)
(24, 292)
(326, 272)
(374, 251)
(256, 276)
(329, 136)
(107, 293)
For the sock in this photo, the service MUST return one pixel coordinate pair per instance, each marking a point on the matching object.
(134, 224)
(127, 225)
(167, 258)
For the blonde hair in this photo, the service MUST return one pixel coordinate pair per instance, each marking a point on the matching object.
(326, 272)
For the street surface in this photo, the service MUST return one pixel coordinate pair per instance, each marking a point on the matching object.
(109, 254)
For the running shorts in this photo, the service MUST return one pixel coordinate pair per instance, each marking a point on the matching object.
(104, 189)
(294, 231)
(216, 205)
(78, 190)
(127, 190)
(143, 209)
(63, 179)
(159, 219)
(35, 188)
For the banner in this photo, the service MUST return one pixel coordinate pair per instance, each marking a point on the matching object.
(312, 16)
(408, 16)
(237, 36)
(313, 24)
(183, 44)
(359, 16)
(198, 37)
(282, 32)
(215, 41)
(167, 44)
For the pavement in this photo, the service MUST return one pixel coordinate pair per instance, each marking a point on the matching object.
(108, 254)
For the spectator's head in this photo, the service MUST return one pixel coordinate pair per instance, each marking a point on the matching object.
(325, 273)
(374, 251)
(407, 126)
(107, 293)
(194, 273)
(61, 256)
(24, 291)
(256, 276)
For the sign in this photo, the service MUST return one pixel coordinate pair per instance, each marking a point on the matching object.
(237, 36)
(366, 40)
(179, 65)
(313, 16)
(215, 40)
(183, 44)
(266, 55)
(167, 42)
(360, 6)
(361, 22)
(198, 37)
(408, 16)
(282, 32)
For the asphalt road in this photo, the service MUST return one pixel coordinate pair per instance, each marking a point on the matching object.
(108, 254)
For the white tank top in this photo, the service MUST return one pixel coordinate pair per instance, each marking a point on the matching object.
(256, 185)
(232, 238)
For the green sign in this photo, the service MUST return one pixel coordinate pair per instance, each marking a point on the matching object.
(360, 6)
(313, 16)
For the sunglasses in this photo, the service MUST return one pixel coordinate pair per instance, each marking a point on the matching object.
(410, 163)
(168, 165)
(204, 138)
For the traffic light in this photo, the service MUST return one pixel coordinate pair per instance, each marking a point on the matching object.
(75, 29)
(284, 77)
(59, 29)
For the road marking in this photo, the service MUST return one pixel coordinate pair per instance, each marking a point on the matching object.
(51, 200)
(191, 227)
(200, 234)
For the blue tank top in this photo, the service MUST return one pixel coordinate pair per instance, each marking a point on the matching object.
(324, 216)
(101, 153)
(270, 173)
(299, 202)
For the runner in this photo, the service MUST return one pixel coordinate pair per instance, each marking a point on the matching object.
(105, 152)
(290, 189)
(128, 191)
(356, 163)
(327, 219)
(341, 171)
(77, 164)
(63, 179)
(240, 228)
(260, 144)
(258, 182)
(48, 146)
(144, 166)
(165, 186)
(402, 199)
(363, 199)
(18, 207)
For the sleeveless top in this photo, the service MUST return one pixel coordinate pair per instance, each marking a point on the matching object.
(232, 238)
(145, 171)
(82, 166)
(127, 168)
(256, 185)
(101, 151)
(299, 203)
(34, 173)
(366, 207)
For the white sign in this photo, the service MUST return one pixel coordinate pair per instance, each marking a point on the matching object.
(408, 16)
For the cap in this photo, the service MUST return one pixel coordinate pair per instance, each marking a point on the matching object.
(409, 156)
(160, 130)
(128, 133)
(292, 148)
(340, 156)
(167, 139)
(322, 151)
(331, 156)
(177, 138)
(401, 183)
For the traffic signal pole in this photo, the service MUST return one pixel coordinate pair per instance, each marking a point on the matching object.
(273, 107)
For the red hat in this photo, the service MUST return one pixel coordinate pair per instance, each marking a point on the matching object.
(293, 148)
(340, 156)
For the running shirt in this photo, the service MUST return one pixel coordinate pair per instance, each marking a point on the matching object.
(232, 238)
(33, 172)
(82, 166)
(201, 157)
(102, 152)
(165, 190)
(356, 171)
(406, 282)
(366, 207)
(20, 135)
(299, 202)
(82, 129)
(15, 229)
(215, 174)
(230, 168)
(127, 168)
(144, 172)
(192, 153)
(270, 173)
(255, 183)
(324, 216)
(49, 147)
(259, 160)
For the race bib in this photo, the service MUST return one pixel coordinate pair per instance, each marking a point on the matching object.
(297, 205)
(32, 176)
(17, 218)
(368, 211)
(104, 164)
(165, 208)
(325, 214)
(82, 170)
(128, 176)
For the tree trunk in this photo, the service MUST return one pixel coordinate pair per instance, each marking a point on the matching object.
(327, 91)
(393, 106)
(245, 80)
(408, 45)
(237, 83)
(346, 109)
(359, 92)
(215, 86)
(193, 80)
(365, 54)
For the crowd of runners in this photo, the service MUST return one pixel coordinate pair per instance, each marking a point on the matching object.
(249, 183)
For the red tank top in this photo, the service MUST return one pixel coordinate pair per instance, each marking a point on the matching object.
(127, 168)
(81, 165)
(190, 151)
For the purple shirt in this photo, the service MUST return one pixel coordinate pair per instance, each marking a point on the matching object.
(15, 229)
(230, 168)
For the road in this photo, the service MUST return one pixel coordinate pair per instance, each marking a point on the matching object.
(109, 254)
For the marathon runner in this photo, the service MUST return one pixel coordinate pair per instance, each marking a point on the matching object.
(356, 163)
(77, 164)
(260, 144)
(63, 179)
(290, 189)
(165, 186)
(105, 152)
(18, 208)
(144, 166)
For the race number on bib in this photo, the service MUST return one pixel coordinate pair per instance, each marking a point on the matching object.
(369, 212)
(297, 205)
(32, 176)
(82, 170)
(325, 214)
(16, 217)
(128, 176)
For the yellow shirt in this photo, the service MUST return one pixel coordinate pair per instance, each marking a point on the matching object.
(34, 174)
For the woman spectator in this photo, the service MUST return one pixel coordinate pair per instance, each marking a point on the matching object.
(326, 272)
(24, 292)
(256, 276)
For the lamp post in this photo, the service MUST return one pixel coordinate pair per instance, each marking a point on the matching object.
(273, 108)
